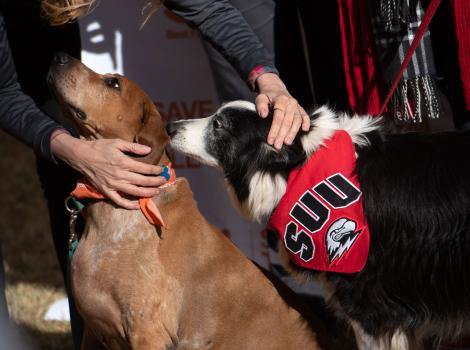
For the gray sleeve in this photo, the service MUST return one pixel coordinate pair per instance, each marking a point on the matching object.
(19, 115)
(225, 28)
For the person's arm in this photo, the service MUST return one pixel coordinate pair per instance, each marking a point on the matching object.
(105, 165)
(19, 115)
(226, 29)
(103, 162)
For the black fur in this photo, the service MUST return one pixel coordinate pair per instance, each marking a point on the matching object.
(241, 148)
(416, 197)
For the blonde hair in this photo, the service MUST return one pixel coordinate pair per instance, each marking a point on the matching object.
(149, 10)
(59, 12)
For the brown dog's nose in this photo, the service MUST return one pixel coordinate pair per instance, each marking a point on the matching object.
(61, 58)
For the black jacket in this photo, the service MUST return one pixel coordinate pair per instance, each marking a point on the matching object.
(225, 28)
(217, 21)
(19, 115)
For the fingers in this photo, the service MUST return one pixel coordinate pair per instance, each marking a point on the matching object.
(305, 120)
(279, 109)
(262, 105)
(117, 175)
(132, 183)
(145, 181)
(114, 188)
(137, 191)
(120, 201)
(294, 129)
(301, 120)
(135, 148)
(114, 193)
(290, 125)
(116, 159)
(288, 118)
(139, 167)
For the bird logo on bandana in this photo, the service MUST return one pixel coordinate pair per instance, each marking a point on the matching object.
(340, 237)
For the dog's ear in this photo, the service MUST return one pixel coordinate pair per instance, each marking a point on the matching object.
(152, 133)
(286, 157)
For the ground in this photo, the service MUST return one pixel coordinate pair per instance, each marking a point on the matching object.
(32, 271)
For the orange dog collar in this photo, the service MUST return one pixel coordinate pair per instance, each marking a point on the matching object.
(84, 190)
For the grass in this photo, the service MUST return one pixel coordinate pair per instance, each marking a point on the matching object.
(32, 271)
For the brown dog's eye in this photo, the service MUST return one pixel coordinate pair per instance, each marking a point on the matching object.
(112, 83)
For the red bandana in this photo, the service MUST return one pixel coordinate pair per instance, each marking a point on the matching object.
(320, 218)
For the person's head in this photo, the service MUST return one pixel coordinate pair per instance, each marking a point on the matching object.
(60, 12)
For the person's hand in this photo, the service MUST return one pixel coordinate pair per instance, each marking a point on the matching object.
(105, 165)
(288, 116)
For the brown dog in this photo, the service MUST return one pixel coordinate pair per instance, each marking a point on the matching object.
(139, 286)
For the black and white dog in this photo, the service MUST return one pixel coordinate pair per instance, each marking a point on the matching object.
(414, 290)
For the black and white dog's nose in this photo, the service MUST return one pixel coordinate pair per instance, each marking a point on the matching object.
(61, 58)
(172, 129)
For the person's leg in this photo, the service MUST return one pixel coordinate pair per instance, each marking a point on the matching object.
(229, 85)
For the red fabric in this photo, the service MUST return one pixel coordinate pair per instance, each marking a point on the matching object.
(335, 235)
(461, 17)
(360, 63)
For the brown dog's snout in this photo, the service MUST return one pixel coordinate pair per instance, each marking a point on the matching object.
(61, 58)
(60, 63)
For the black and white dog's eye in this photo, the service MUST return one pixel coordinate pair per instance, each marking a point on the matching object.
(217, 124)
(112, 83)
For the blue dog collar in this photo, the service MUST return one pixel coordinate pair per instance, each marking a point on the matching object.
(165, 173)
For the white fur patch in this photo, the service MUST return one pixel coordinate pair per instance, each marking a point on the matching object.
(322, 128)
(191, 140)
(239, 104)
(328, 122)
(266, 191)
(358, 126)
(365, 341)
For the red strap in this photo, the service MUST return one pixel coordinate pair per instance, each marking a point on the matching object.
(414, 45)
